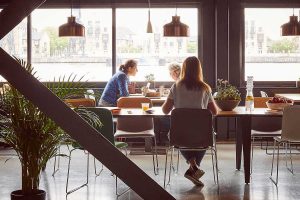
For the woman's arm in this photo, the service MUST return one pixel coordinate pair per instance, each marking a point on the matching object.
(123, 85)
(212, 107)
(167, 106)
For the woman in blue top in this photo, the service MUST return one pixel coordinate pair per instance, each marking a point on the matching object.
(117, 86)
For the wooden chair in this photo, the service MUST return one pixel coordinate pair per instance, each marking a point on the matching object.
(81, 102)
(136, 127)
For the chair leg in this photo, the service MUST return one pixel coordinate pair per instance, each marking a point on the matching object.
(217, 167)
(87, 174)
(213, 164)
(155, 165)
(251, 163)
(178, 152)
(275, 181)
(171, 161)
(95, 168)
(58, 163)
(292, 168)
(166, 163)
(117, 193)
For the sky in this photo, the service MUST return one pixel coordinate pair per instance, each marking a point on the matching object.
(270, 19)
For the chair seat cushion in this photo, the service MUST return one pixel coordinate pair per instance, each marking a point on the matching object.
(121, 144)
(265, 134)
(126, 134)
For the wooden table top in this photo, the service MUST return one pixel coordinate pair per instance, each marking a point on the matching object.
(157, 112)
(295, 97)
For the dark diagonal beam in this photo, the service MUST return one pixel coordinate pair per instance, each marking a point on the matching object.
(66, 118)
(15, 12)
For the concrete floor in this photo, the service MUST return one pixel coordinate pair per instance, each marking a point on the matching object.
(103, 187)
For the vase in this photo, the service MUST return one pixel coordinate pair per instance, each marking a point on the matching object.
(18, 195)
(227, 105)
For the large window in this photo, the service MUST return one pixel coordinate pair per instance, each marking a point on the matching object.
(15, 42)
(88, 56)
(268, 55)
(153, 51)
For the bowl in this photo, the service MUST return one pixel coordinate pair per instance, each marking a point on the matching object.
(277, 106)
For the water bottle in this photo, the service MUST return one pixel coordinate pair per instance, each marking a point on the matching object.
(249, 102)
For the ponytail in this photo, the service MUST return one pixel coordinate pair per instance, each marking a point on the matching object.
(122, 67)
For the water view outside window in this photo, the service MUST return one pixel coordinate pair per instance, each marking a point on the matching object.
(15, 42)
(268, 55)
(153, 51)
(88, 56)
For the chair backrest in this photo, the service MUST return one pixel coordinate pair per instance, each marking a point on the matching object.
(133, 102)
(263, 94)
(106, 118)
(260, 102)
(81, 102)
(291, 123)
(191, 128)
(265, 124)
(134, 124)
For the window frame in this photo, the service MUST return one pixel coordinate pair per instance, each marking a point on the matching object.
(263, 4)
(196, 5)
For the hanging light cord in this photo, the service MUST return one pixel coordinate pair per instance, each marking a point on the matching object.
(71, 7)
(149, 9)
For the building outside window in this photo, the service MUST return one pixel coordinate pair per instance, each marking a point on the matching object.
(153, 51)
(88, 56)
(268, 55)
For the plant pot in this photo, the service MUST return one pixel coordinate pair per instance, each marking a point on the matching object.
(227, 105)
(18, 195)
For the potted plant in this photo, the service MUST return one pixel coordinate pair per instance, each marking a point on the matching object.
(33, 135)
(227, 96)
(150, 79)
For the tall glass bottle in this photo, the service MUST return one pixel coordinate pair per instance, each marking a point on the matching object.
(249, 102)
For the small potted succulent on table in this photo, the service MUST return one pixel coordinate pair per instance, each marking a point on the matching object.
(227, 96)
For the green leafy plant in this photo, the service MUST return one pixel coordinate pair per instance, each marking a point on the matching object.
(226, 91)
(33, 135)
(150, 78)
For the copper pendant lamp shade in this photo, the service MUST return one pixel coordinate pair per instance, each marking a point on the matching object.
(291, 28)
(71, 29)
(176, 28)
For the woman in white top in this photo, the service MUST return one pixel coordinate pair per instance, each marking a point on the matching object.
(174, 71)
(191, 92)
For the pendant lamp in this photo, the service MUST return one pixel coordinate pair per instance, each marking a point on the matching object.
(71, 28)
(149, 25)
(291, 28)
(176, 28)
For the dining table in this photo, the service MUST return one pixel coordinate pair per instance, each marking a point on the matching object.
(243, 136)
